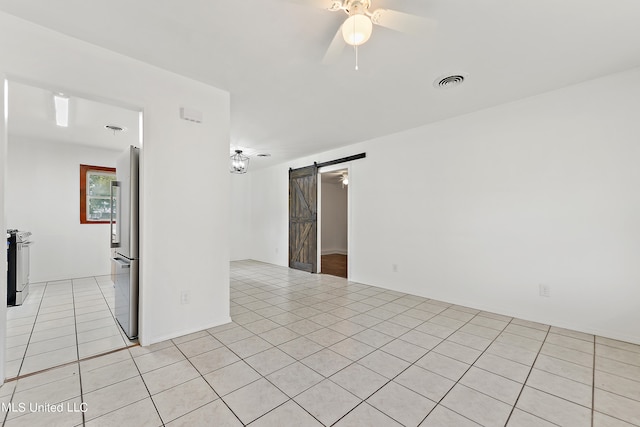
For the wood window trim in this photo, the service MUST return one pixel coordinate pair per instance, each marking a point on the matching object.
(83, 191)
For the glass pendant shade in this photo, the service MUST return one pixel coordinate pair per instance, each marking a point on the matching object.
(239, 163)
(356, 30)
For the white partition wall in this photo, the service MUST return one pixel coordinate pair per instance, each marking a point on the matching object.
(180, 160)
(3, 223)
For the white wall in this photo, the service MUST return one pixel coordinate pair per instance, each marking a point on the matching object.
(269, 215)
(540, 191)
(3, 222)
(333, 218)
(184, 222)
(240, 223)
(43, 198)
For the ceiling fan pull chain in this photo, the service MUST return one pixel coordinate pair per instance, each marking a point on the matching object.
(356, 47)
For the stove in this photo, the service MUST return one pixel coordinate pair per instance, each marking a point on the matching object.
(18, 260)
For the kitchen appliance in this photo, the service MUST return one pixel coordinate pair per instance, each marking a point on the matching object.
(18, 260)
(124, 239)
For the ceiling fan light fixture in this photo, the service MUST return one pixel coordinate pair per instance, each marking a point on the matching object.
(357, 29)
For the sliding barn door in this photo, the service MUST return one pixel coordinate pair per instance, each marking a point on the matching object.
(303, 217)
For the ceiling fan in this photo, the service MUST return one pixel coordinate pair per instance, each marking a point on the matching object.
(357, 28)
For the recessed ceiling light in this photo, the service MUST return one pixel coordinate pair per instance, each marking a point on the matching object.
(61, 104)
(448, 82)
(263, 155)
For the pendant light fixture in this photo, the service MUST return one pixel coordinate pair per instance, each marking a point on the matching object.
(239, 163)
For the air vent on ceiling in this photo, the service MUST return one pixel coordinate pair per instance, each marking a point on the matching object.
(115, 128)
(449, 82)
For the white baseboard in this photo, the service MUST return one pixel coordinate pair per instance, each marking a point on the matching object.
(334, 251)
(179, 333)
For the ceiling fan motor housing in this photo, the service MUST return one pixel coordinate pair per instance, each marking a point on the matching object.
(356, 7)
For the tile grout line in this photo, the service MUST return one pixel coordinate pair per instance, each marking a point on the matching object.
(207, 382)
(572, 380)
(593, 389)
(407, 308)
(593, 384)
(388, 382)
(465, 372)
(30, 374)
(302, 288)
(548, 331)
(624, 363)
(524, 384)
(133, 359)
(13, 393)
(35, 320)
(95, 355)
(262, 376)
(617, 394)
(295, 359)
(557, 359)
(75, 327)
(265, 378)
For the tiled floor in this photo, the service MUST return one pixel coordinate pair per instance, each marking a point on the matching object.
(312, 350)
(61, 322)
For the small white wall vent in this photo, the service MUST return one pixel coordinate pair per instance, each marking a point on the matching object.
(448, 82)
(115, 128)
(190, 115)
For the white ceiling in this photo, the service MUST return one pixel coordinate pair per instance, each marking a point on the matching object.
(267, 54)
(32, 116)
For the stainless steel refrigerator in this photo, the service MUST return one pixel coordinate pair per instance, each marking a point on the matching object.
(125, 239)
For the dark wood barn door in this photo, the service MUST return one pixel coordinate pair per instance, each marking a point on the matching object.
(303, 218)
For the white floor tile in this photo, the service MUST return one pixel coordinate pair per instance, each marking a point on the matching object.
(402, 353)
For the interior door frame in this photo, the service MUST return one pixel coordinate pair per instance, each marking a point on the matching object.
(6, 79)
(325, 169)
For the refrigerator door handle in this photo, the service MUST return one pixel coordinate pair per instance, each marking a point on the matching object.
(121, 263)
(113, 217)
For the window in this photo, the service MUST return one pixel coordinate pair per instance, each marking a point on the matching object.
(95, 194)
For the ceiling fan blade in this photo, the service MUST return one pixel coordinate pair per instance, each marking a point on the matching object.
(403, 22)
(335, 48)
(332, 5)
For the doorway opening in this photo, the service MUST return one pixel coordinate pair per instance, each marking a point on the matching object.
(66, 311)
(333, 235)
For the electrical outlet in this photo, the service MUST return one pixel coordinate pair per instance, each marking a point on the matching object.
(545, 290)
(185, 297)
(394, 268)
